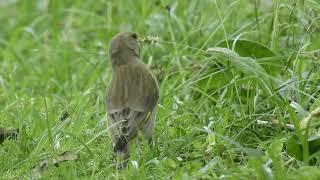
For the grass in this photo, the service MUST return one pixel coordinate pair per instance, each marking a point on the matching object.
(54, 64)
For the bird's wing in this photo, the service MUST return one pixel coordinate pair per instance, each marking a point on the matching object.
(134, 87)
(127, 122)
(131, 100)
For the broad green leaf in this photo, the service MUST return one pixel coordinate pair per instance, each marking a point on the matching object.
(314, 144)
(299, 109)
(268, 59)
(247, 48)
(294, 147)
(246, 65)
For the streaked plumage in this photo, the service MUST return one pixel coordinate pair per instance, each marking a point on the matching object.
(132, 95)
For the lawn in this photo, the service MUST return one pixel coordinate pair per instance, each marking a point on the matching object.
(239, 88)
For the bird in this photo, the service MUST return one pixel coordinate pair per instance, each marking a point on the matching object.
(132, 96)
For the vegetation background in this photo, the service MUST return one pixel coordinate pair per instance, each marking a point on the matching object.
(215, 103)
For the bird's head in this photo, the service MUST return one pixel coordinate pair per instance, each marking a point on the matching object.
(124, 43)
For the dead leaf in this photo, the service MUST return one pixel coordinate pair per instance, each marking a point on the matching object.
(9, 133)
(66, 156)
(64, 116)
(314, 116)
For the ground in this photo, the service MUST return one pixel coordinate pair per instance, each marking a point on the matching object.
(225, 69)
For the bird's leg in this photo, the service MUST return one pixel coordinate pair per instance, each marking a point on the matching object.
(151, 142)
(121, 148)
(147, 132)
(122, 161)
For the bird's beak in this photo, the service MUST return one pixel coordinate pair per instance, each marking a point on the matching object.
(140, 40)
(149, 39)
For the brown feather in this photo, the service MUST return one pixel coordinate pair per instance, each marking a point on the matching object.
(134, 87)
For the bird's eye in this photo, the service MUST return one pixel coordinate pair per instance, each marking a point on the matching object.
(134, 36)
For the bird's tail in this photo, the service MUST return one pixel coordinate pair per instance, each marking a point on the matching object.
(121, 145)
(121, 148)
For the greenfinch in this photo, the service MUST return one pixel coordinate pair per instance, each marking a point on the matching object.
(132, 95)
